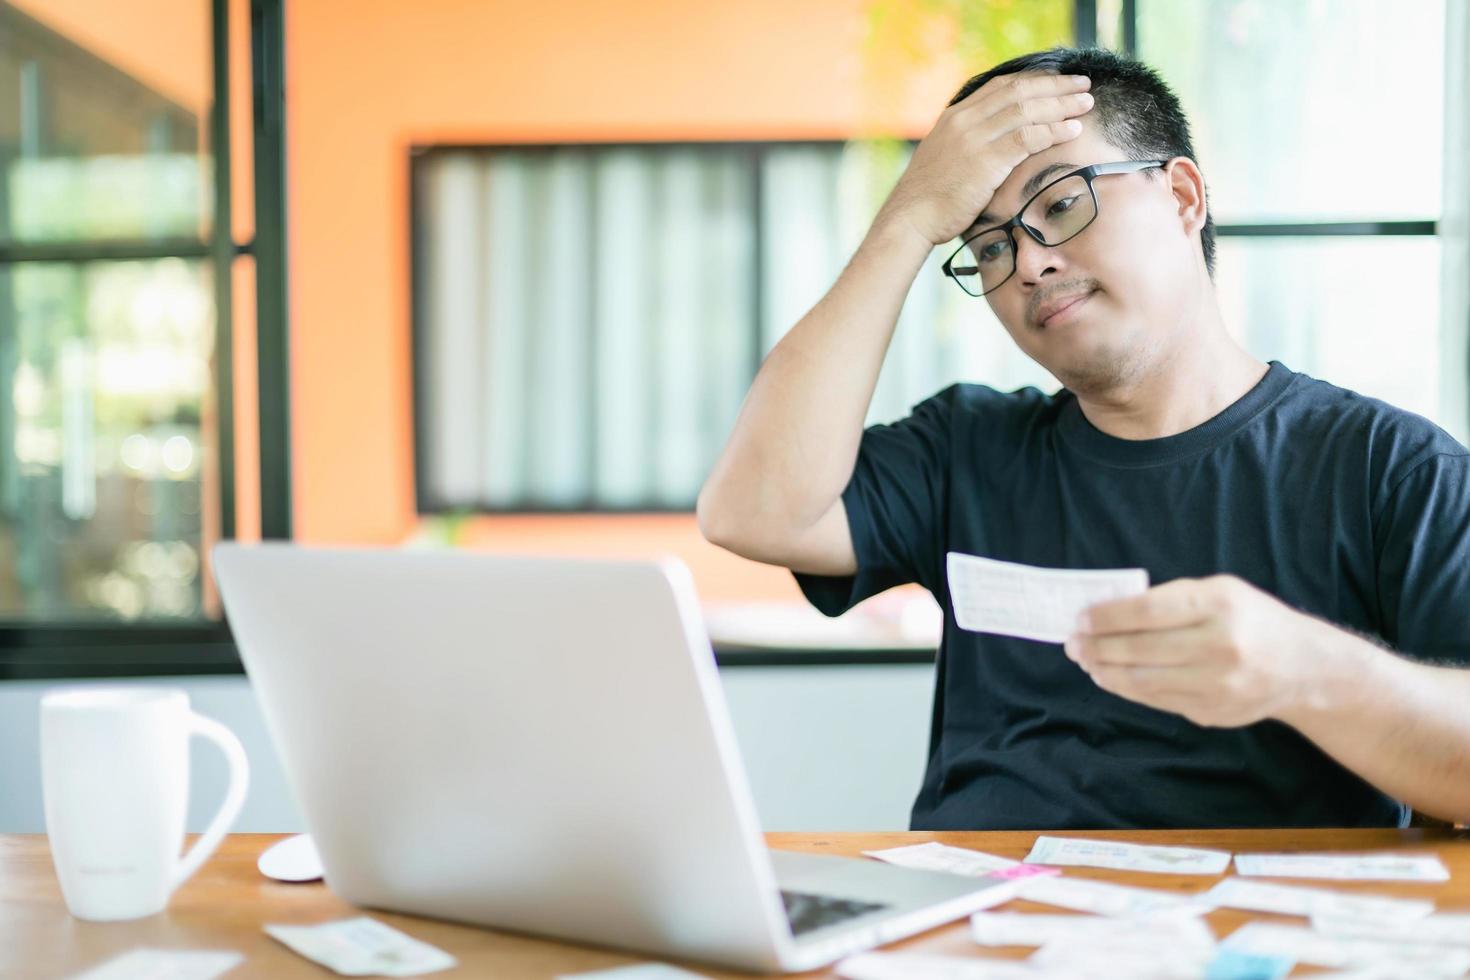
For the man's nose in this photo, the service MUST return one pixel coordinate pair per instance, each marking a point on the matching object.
(1035, 260)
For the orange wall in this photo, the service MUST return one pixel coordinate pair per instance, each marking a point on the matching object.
(164, 44)
(369, 79)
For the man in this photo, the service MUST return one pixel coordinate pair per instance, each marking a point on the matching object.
(1298, 530)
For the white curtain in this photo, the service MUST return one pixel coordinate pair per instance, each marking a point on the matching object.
(590, 321)
(587, 329)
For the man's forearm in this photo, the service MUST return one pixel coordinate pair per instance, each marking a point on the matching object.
(796, 439)
(1402, 726)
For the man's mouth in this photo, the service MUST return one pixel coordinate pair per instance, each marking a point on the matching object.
(1064, 308)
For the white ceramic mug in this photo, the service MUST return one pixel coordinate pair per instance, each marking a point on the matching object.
(115, 777)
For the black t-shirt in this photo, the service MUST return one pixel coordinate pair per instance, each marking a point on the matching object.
(1340, 505)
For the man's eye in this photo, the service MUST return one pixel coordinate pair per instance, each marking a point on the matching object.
(1062, 205)
(992, 251)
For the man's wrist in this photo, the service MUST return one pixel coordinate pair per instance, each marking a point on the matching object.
(1339, 671)
(893, 231)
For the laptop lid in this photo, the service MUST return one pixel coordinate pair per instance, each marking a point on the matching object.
(536, 744)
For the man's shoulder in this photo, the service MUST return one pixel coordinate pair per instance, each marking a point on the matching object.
(1335, 413)
(965, 420)
(1390, 441)
(964, 400)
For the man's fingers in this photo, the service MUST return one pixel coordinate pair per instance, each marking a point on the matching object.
(1165, 688)
(1030, 140)
(1008, 89)
(1029, 112)
(1171, 689)
(1154, 648)
(1173, 605)
(1012, 149)
(1036, 84)
(957, 168)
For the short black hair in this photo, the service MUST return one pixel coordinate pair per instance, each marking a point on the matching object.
(1136, 110)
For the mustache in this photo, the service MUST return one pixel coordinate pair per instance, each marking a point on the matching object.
(1069, 288)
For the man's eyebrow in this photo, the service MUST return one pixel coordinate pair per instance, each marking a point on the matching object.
(1037, 179)
(1030, 187)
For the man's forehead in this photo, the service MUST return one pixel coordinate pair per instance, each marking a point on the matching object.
(1035, 171)
(1038, 174)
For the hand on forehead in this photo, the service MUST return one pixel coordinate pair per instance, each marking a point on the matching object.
(1038, 169)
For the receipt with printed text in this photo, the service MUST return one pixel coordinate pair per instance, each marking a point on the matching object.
(991, 596)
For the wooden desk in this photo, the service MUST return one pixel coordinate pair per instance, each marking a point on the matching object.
(225, 905)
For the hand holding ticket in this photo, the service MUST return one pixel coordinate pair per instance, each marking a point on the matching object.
(1033, 603)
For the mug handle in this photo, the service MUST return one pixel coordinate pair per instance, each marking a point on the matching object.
(234, 797)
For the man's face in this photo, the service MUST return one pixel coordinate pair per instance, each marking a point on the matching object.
(1135, 268)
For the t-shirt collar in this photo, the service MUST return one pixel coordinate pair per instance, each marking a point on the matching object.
(1096, 445)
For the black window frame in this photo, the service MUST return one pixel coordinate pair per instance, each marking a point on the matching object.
(421, 158)
(1086, 17)
(150, 648)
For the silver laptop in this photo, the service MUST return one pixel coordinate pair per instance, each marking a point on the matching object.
(541, 745)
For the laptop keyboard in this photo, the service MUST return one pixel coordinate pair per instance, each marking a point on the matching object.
(808, 912)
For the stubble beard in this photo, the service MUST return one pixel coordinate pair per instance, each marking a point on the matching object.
(1107, 371)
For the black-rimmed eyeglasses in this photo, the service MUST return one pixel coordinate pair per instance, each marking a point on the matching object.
(1057, 213)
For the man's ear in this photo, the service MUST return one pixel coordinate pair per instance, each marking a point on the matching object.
(1187, 185)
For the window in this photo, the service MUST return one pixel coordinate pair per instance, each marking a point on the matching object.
(588, 318)
(119, 251)
(1320, 129)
